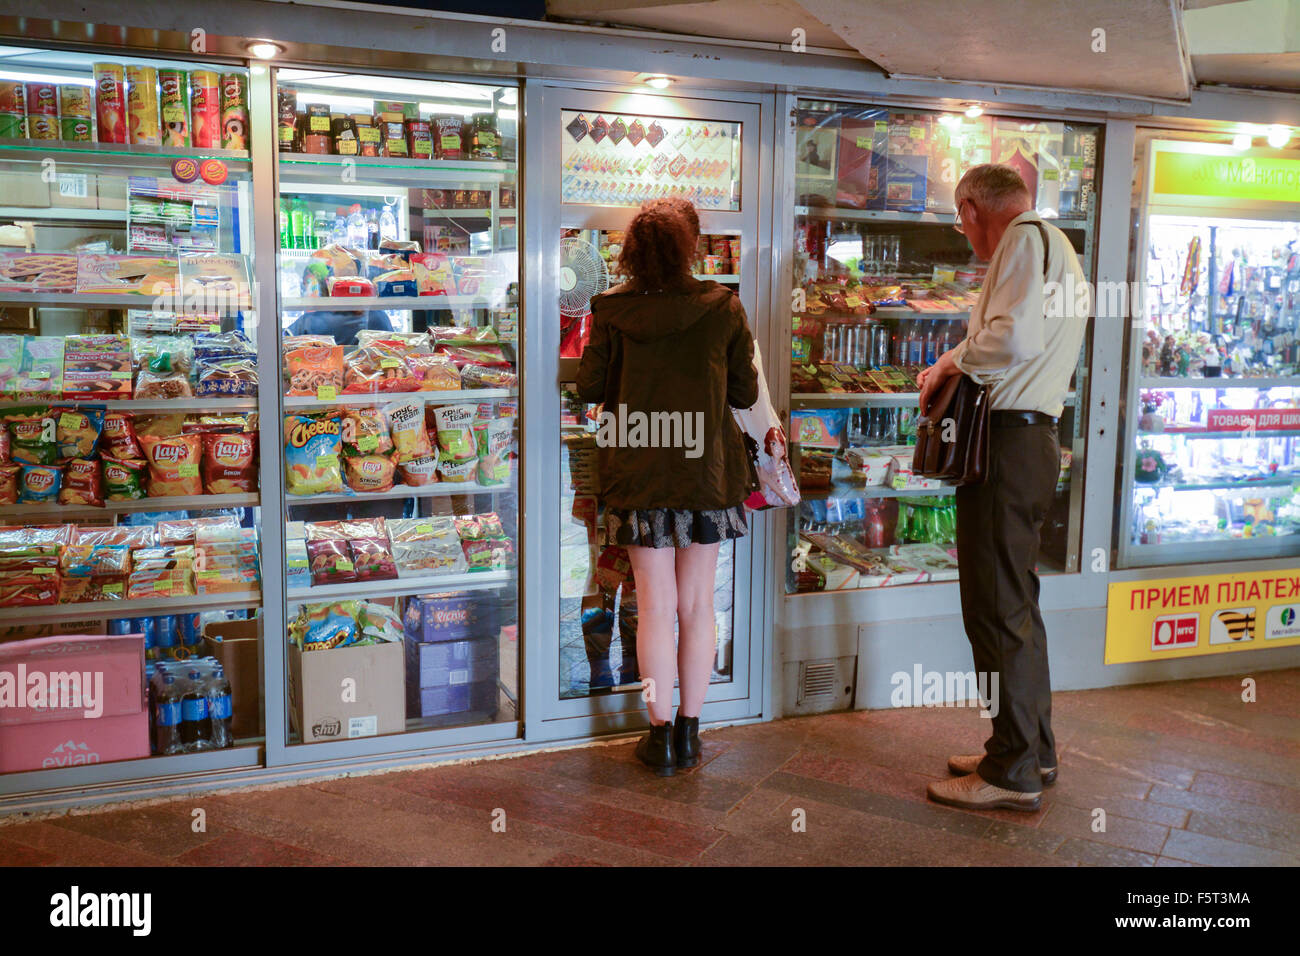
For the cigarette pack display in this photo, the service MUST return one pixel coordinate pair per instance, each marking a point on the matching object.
(863, 149)
(908, 163)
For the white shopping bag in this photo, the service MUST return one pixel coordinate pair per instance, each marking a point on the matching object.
(766, 442)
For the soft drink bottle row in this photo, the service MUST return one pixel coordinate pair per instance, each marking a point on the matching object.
(190, 706)
(875, 345)
(165, 635)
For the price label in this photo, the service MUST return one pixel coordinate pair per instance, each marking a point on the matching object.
(368, 442)
(424, 529)
(327, 461)
(916, 132)
(115, 588)
(320, 124)
(882, 126)
(40, 373)
(297, 562)
(163, 586)
(390, 363)
(1051, 175)
(327, 393)
(863, 142)
(344, 566)
(208, 575)
(214, 327)
(43, 570)
(69, 420)
(188, 471)
(120, 376)
(1076, 162)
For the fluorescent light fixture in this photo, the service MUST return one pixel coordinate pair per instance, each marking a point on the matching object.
(1278, 136)
(264, 49)
(974, 110)
(659, 82)
(1242, 141)
(46, 78)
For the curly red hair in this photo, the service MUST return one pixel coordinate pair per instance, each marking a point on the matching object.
(659, 245)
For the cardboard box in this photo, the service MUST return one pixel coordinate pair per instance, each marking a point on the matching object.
(318, 710)
(112, 192)
(238, 645)
(24, 189)
(430, 618)
(479, 699)
(67, 729)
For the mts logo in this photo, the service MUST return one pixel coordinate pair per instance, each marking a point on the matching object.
(1175, 630)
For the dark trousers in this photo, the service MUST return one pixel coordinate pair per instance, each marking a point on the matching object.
(997, 549)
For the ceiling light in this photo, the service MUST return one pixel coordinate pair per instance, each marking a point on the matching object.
(1278, 136)
(658, 82)
(1242, 141)
(264, 49)
(974, 110)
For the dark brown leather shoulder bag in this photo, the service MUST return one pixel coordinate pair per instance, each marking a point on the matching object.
(952, 440)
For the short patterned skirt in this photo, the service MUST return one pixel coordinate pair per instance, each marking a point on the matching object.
(674, 527)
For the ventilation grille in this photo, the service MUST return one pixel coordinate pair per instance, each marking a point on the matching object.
(817, 679)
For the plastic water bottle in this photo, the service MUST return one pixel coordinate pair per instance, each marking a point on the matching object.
(220, 709)
(167, 716)
(196, 720)
(339, 234)
(357, 232)
(387, 223)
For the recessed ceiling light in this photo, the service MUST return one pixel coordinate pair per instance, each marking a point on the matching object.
(1278, 136)
(1242, 141)
(264, 49)
(974, 110)
(658, 82)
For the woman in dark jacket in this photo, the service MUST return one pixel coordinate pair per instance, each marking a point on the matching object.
(669, 357)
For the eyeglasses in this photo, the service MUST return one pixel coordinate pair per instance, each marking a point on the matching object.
(956, 219)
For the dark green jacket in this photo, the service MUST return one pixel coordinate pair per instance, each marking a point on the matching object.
(671, 354)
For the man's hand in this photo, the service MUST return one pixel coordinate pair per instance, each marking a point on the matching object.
(933, 378)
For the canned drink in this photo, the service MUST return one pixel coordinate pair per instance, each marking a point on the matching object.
(234, 111)
(142, 105)
(42, 126)
(13, 126)
(42, 99)
(165, 631)
(110, 102)
(205, 109)
(174, 106)
(190, 632)
(75, 129)
(74, 100)
(121, 625)
(13, 97)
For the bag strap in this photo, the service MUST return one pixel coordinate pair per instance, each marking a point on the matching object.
(1042, 231)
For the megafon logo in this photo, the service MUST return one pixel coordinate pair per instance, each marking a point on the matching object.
(329, 727)
(70, 754)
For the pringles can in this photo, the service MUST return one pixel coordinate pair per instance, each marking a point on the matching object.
(142, 105)
(13, 97)
(234, 111)
(75, 129)
(41, 126)
(205, 109)
(110, 102)
(174, 104)
(13, 126)
(42, 99)
(74, 100)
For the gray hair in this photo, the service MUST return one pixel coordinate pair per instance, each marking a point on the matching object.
(993, 186)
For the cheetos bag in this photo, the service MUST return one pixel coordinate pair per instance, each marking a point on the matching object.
(766, 442)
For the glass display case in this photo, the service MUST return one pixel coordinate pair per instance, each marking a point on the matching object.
(129, 482)
(398, 296)
(1213, 425)
(883, 286)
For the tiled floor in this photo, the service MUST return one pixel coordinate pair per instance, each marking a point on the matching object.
(1186, 773)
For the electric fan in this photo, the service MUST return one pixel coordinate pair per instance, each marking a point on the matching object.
(582, 275)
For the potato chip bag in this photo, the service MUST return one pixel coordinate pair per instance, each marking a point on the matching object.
(229, 464)
(77, 430)
(328, 554)
(37, 483)
(410, 440)
(420, 471)
(326, 626)
(160, 425)
(83, 483)
(124, 478)
(457, 471)
(9, 484)
(173, 465)
(454, 424)
(312, 444)
(312, 367)
(33, 440)
(369, 472)
(119, 438)
(365, 432)
(493, 439)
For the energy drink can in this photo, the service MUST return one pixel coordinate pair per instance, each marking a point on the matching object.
(174, 106)
(13, 126)
(234, 111)
(74, 100)
(142, 105)
(110, 102)
(42, 99)
(205, 109)
(42, 126)
(13, 97)
(75, 129)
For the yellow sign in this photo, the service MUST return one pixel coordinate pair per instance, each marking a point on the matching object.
(1213, 614)
(1227, 177)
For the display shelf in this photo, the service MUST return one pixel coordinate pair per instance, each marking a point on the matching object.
(101, 155)
(866, 399)
(189, 405)
(458, 395)
(106, 300)
(397, 587)
(137, 607)
(1208, 550)
(458, 213)
(438, 489)
(70, 213)
(168, 503)
(1243, 485)
(422, 303)
(1217, 383)
(847, 489)
(386, 169)
(893, 215)
(728, 279)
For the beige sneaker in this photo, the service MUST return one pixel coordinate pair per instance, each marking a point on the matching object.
(972, 793)
(966, 763)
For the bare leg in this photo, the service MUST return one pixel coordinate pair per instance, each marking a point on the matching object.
(697, 635)
(656, 588)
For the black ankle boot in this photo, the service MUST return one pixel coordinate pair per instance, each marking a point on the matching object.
(686, 740)
(655, 750)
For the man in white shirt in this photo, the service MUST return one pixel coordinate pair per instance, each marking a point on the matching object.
(1027, 353)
